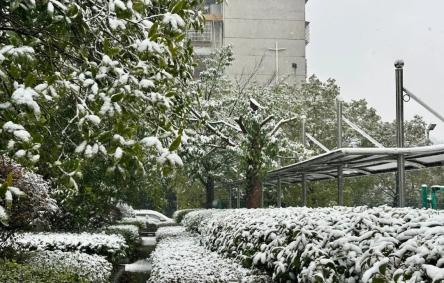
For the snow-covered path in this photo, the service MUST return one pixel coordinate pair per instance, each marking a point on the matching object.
(181, 258)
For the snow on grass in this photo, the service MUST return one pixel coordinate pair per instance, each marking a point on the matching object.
(331, 244)
(182, 259)
(93, 267)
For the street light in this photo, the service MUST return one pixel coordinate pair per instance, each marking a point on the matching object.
(430, 127)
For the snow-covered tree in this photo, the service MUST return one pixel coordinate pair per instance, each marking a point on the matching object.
(241, 129)
(94, 85)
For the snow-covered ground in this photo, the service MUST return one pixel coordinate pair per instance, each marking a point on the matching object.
(331, 244)
(180, 258)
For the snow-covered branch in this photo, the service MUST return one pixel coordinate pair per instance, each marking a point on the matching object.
(281, 123)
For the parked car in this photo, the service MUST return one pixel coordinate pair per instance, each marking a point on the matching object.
(152, 216)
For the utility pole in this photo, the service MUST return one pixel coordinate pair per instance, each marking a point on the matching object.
(400, 175)
(339, 137)
(304, 143)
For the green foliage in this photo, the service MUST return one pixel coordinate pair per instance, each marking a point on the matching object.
(83, 85)
(13, 272)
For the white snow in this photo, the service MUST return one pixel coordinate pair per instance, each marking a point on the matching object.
(148, 45)
(144, 83)
(152, 141)
(81, 147)
(378, 242)
(174, 20)
(3, 214)
(142, 265)
(5, 105)
(101, 244)
(94, 267)
(22, 135)
(148, 241)
(118, 154)
(93, 118)
(20, 153)
(25, 96)
(181, 257)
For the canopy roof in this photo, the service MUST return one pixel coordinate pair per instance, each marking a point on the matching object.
(357, 162)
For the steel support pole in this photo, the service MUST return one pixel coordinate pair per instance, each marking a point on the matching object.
(304, 189)
(339, 141)
(230, 204)
(238, 198)
(279, 193)
(262, 196)
(303, 131)
(400, 176)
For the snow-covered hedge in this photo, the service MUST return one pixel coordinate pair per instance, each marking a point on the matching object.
(138, 221)
(329, 244)
(113, 247)
(179, 257)
(178, 215)
(92, 267)
(129, 232)
(168, 232)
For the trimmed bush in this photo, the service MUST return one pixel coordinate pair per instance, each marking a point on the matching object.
(338, 244)
(139, 222)
(129, 232)
(113, 247)
(13, 272)
(168, 232)
(94, 268)
(178, 215)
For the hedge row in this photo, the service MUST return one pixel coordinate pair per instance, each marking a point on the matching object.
(329, 244)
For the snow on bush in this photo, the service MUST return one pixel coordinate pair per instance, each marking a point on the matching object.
(178, 215)
(168, 232)
(35, 208)
(139, 222)
(129, 232)
(92, 267)
(126, 210)
(329, 244)
(113, 247)
(182, 259)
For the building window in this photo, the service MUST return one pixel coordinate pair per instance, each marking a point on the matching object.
(205, 36)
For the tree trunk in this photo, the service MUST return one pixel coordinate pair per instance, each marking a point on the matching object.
(254, 192)
(209, 188)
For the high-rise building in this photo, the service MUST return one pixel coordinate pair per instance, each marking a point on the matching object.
(268, 37)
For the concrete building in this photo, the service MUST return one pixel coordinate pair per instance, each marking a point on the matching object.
(268, 38)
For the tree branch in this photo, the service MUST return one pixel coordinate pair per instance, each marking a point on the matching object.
(281, 123)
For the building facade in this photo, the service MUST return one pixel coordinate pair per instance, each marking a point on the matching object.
(268, 38)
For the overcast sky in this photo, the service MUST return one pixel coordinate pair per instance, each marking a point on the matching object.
(357, 41)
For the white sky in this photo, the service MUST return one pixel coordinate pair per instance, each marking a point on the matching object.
(357, 41)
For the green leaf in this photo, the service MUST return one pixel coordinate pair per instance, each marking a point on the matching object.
(167, 169)
(153, 31)
(117, 97)
(178, 7)
(176, 143)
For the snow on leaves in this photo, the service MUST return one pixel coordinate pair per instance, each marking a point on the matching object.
(93, 267)
(112, 246)
(122, 73)
(331, 244)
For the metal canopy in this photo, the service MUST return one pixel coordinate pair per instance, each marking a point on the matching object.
(357, 162)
